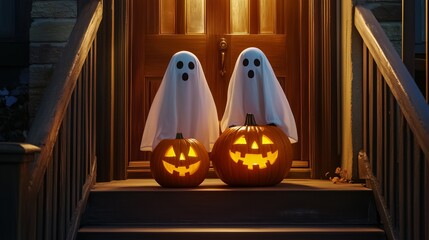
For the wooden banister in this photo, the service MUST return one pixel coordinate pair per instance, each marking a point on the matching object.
(57, 95)
(401, 83)
(395, 133)
(48, 179)
(45, 183)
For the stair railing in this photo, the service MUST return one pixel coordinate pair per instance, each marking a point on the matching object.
(49, 178)
(395, 134)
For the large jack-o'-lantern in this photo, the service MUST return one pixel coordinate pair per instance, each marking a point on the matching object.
(179, 162)
(252, 155)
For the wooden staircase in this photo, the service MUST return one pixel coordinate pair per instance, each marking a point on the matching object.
(295, 209)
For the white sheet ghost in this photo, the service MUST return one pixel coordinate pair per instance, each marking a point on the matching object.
(183, 104)
(254, 88)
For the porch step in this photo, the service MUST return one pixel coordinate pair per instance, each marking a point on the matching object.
(294, 209)
(233, 233)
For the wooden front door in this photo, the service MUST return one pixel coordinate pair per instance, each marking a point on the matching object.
(216, 31)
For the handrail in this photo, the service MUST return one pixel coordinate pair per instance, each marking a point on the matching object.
(64, 171)
(402, 85)
(45, 127)
(373, 183)
(395, 134)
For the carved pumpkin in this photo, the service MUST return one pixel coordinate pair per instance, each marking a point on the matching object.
(179, 162)
(252, 155)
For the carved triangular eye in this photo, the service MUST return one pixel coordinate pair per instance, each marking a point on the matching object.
(241, 140)
(170, 152)
(266, 140)
(192, 152)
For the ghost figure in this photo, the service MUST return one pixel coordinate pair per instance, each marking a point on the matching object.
(182, 104)
(254, 88)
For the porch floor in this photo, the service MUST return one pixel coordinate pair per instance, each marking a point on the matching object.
(215, 184)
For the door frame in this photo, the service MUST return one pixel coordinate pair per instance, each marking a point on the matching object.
(324, 102)
(318, 69)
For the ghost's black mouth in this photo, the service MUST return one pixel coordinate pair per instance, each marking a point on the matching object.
(185, 77)
(250, 73)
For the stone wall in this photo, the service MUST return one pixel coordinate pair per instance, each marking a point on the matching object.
(389, 14)
(52, 22)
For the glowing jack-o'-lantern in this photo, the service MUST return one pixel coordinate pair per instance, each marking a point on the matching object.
(252, 160)
(252, 155)
(179, 162)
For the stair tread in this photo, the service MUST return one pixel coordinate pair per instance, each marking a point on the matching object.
(233, 233)
(217, 185)
(246, 229)
(298, 209)
(294, 201)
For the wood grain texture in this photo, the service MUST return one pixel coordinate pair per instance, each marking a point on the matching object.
(152, 51)
(398, 160)
(401, 83)
(53, 106)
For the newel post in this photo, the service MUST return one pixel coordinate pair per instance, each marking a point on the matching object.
(15, 160)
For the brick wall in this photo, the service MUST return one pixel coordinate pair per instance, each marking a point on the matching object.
(52, 22)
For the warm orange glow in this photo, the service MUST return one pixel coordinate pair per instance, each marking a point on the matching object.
(182, 170)
(192, 152)
(267, 16)
(167, 16)
(251, 160)
(266, 140)
(170, 152)
(195, 16)
(241, 140)
(254, 145)
(239, 18)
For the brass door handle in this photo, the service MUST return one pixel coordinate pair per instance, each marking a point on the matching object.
(223, 46)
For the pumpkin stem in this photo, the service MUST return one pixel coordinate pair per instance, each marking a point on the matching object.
(179, 136)
(250, 120)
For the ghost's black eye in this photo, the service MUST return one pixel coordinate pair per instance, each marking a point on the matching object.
(179, 65)
(185, 77)
(257, 62)
(246, 62)
(191, 65)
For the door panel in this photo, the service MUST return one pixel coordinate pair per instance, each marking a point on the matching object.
(271, 45)
(160, 49)
(156, 49)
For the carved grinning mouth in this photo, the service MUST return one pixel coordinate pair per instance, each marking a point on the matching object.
(182, 170)
(250, 160)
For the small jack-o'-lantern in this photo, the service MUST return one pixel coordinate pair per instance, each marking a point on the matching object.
(179, 162)
(252, 155)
